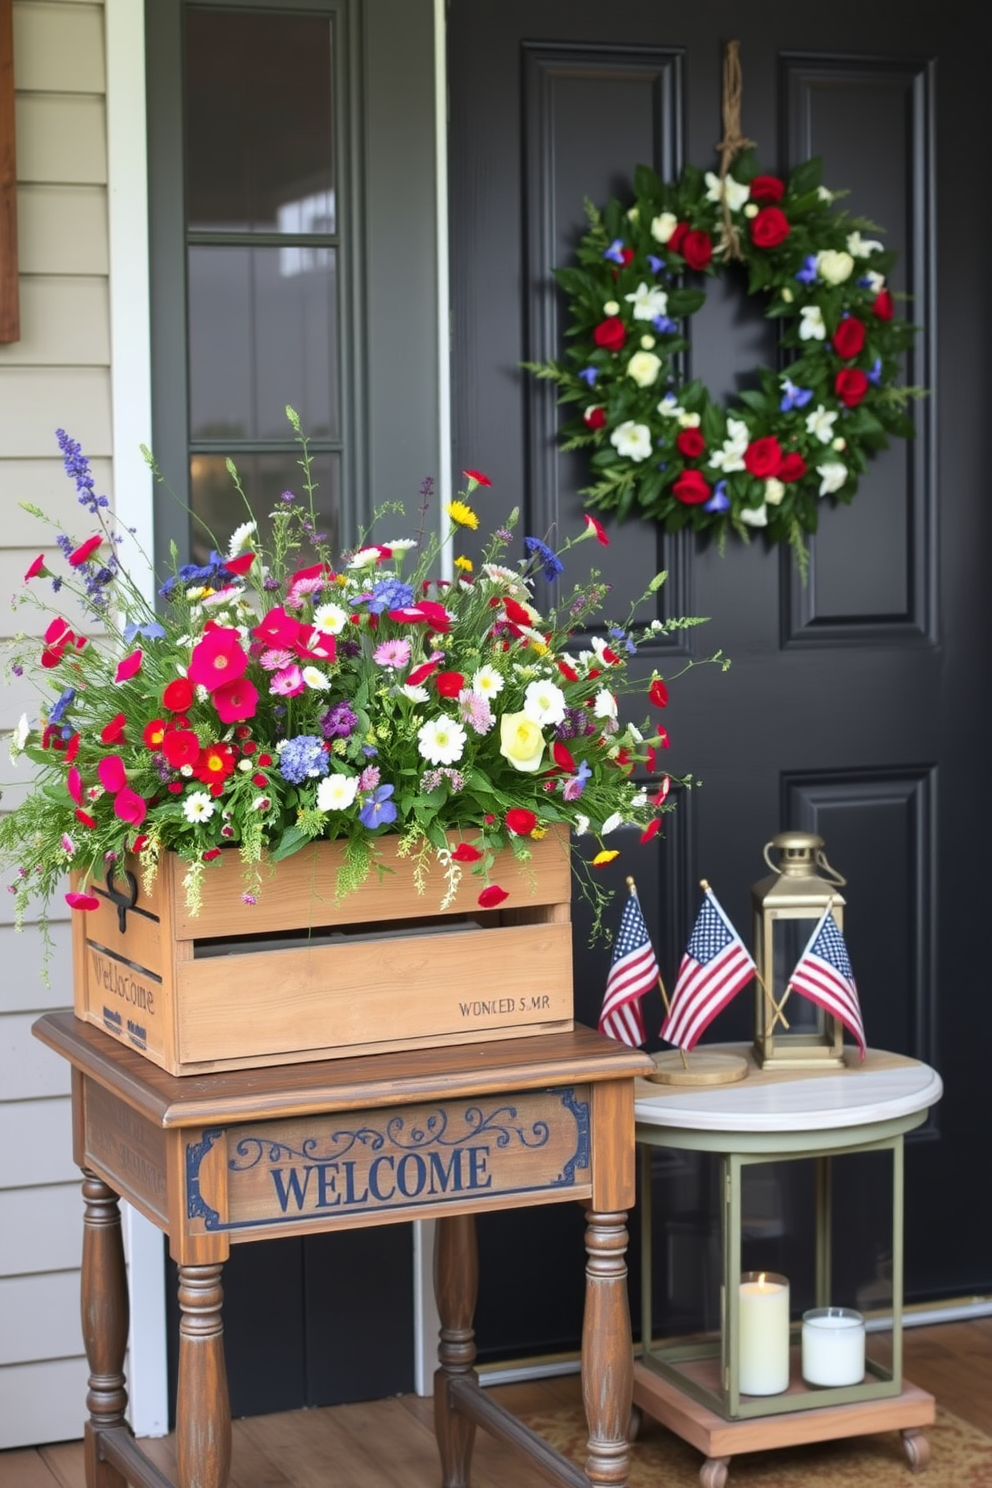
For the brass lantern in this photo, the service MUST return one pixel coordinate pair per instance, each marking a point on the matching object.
(790, 1031)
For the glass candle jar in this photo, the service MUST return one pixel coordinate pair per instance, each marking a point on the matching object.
(833, 1346)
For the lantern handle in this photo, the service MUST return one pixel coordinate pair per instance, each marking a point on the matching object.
(830, 873)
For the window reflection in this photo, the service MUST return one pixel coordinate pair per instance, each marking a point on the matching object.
(218, 509)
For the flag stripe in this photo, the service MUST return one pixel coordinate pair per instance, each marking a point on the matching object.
(634, 971)
(823, 974)
(715, 967)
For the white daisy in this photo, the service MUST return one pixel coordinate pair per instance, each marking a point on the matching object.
(441, 741)
(337, 792)
(415, 694)
(487, 681)
(364, 558)
(544, 703)
(401, 544)
(330, 618)
(239, 538)
(198, 807)
(315, 678)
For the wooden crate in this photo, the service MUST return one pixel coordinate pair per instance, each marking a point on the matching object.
(298, 977)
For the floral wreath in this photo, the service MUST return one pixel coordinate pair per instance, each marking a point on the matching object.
(668, 450)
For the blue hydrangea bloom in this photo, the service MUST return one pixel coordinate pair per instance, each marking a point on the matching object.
(302, 758)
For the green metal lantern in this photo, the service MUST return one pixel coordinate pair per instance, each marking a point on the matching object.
(791, 1032)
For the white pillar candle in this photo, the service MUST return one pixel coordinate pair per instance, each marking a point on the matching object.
(833, 1346)
(764, 1333)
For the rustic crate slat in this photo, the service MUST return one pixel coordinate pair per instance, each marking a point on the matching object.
(300, 976)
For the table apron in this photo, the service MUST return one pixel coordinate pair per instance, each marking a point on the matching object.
(770, 1144)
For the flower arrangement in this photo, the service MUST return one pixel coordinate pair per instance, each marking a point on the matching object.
(272, 701)
(669, 451)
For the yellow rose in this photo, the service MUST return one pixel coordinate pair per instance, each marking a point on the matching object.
(834, 266)
(521, 742)
(644, 367)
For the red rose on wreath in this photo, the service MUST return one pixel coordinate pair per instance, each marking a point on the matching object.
(883, 306)
(763, 457)
(851, 384)
(691, 488)
(769, 228)
(792, 468)
(594, 418)
(610, 334)
(767, 189)
(691, 444)
(697, 249)
(676, 239)
(849, 337)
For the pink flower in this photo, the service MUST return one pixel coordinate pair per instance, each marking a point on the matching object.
(130, 807)
(277, 628)
(316, 645)
(129, 667)
(235, 700)
(369, 778)
(597, 527)
(74, 785)
(217, 658)
(274, 660)
(85, 551)
(113, 776)
(392, 654)
(82, 901)
(37, 569)
(288, 683)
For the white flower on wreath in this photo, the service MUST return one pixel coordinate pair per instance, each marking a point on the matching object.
(832, 476)
(441, 741)
(663, 226)
(875, 282)
(632, 440)
(755, 516)
(820, 423)
(730, 456)
(735, 191)
(860, 247)
(774, 491)
(690, 420)
(669, 407)
(544, 703)
(644, 367)
(336, 792)
(812, 326)
(834, 266)
(648, 301)
(611, 308)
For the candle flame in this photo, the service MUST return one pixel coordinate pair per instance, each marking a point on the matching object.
(761, 1278)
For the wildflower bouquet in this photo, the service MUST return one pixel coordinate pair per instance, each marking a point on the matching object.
(272, 701)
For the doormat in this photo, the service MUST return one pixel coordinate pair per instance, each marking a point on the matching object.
(961, 1457)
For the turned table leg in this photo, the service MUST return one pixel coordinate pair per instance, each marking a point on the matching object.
(456, 1287)
(203, 1411)
(607, 1350)
(105, 1324)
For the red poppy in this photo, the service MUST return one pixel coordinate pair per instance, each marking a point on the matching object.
(129, 667)
(113, 732)
(216, 762)
(769, 228)
(130, 807)
(883, 307)
(610, 334)
(72, 749)
(211, 853)
(241, 564)
(82, 901)
(651, 829)
(597, 528)
(595, 417)
(37, 569)
(658, 693)
(466, 853)
(421, 673)
(849, 337)
(521, 821)
(691, 443)
(767, 189)
(792, 468)
(427, 612)
(763, 457)
(492, 896)
(181, 747)
(691, 488)
(74, 784)
(663, 790)
(84, 817)
(178, 695)
(153, 733)
(58, 633)
(218, 657)
(140, 842)
(234, 700)
(850, 385)
(316, 645)
(113, 776)
(449, 684)
(569, 673)
(563, 757)
(478, 477)
(85, 550)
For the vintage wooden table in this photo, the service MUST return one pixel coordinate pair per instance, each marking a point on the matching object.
(219, 1160)
(781, 1115)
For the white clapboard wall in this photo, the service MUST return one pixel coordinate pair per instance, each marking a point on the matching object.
(57, 374)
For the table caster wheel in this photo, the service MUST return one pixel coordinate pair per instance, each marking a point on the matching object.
(635, 1423)
(713, 1473)
(917, 1449)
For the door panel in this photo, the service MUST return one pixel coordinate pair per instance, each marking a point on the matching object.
(854, 704)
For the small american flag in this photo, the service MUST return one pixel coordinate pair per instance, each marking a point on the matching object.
(633, 972)
(823, 974)
(715, 967)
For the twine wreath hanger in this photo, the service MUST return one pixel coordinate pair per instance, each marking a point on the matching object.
(663, 448)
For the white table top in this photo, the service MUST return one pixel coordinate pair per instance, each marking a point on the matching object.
(883, 1088)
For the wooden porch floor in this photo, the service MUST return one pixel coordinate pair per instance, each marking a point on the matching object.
(390, 1443)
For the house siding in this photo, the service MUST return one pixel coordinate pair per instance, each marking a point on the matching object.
(57, 374)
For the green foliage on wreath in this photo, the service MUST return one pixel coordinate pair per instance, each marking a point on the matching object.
(666, 450)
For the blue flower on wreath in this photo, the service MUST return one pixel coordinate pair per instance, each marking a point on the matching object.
(793, 397)
(657, 264)
(807, 274)
(719, 501)
(589, 375)
(664, 324)
(875, 375)
(550, 564)
(615, 251)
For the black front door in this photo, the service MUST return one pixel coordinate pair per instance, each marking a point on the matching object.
(853, 706)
